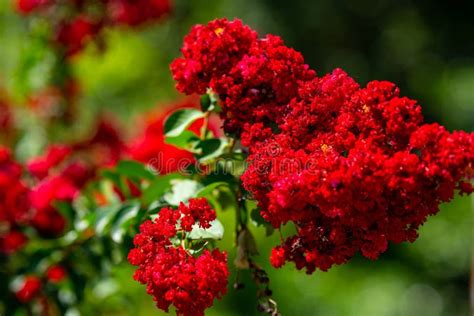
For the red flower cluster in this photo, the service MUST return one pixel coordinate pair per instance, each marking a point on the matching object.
(7, 119)
(14, 205)
(30, 288)
(40, 166)
(78, 21)
(60, 180)
(137, 12)
(104, 148)
(5, 115)
(73, 35)
(254, 78)
(56, 274)
(198, 211)
(31, 285)
(172, 275)
(353, 168)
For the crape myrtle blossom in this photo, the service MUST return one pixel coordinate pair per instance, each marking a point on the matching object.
(254, 78)
(6, 117)
(368, 170)
(56, 274)
(172, 275)
(29, 289)
(59, 180)
(14, 204)
(76, 22)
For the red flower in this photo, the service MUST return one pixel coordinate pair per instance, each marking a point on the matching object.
(199, 211)
(56, 274)
(209, 52)
(12, 241)
(278, 258)
(137, 12)
(46, 218)
(56, 188)
(5, 115)
(28, 6)
(354, 168)
(14, 204)
(74, 35)
(255, 78)
(29, 289)
(48, 222)
(83, 22)
(40, 166)
(62, 178)
(172, 275)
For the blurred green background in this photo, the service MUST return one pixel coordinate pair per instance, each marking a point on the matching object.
(426, 47)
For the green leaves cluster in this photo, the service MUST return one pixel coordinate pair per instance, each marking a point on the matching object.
(104, 219)
(205, 147)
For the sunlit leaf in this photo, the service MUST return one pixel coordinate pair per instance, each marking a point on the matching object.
(182, 191)
(134, 169)
(211, 148)
(104, 218)
(158, 187)
(123, 221)
(179, 120)
(187, 140)
(216, 231)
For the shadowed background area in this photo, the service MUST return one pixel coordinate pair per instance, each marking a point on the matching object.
(423, 46)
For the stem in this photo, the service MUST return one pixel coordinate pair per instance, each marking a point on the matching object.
(205, 125)
(282, 239)
(240, 225)
(265, 303)
(231, 145)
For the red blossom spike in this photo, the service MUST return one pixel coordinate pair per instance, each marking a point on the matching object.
(353, 168)
(171, 274)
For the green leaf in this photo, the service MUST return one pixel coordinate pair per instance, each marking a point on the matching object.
(179, 120)
(105, 288)
(216, 231)
(107, 189)
(186, 140)
(104, 218)
(211, 149)
(156, 206)
(123, 221)
(112, 176)
(205, 102)
(134, 169)
(66, 210)
(197, 246)
(78, 282)
(182, 191)
(256, 218)
(209, 101)
(220, 196)
(158, 187)
(84, 222)
(209, 189)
